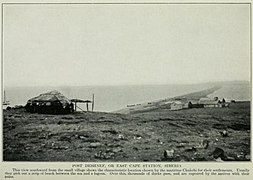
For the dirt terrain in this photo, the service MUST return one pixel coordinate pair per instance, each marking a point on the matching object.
(158, 135)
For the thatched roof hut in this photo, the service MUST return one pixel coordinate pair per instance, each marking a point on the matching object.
(52, 102)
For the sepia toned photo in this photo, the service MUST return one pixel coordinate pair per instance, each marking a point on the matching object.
(126, 82)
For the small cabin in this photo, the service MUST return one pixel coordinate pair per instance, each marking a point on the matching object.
(176, 106)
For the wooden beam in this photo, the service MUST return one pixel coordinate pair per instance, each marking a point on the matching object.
(93, 102)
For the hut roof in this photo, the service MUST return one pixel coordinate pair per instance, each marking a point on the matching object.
(77, 100)
(80, 101)
(177, 103)
(50, 97)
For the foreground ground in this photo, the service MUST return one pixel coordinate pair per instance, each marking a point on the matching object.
(187, 135)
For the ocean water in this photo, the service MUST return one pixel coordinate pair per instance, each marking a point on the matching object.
(111, 98)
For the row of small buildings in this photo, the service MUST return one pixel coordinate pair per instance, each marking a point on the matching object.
(201, 103)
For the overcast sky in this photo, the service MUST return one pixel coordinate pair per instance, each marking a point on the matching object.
(125, 44)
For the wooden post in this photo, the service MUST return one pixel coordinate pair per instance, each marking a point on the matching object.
(87, 105)
(93, 102)
(4, 97)
(75, 105)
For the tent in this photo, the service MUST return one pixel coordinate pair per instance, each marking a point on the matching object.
(52, 102)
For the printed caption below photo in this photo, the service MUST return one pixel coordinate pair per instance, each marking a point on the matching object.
(125, 170)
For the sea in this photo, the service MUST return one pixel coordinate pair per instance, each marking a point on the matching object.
(112, 98)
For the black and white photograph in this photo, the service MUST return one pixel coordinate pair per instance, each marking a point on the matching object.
(126, 82)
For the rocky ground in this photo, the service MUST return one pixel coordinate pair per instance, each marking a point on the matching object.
(210, 134)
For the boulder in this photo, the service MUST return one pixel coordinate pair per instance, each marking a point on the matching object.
(218, 153)
(168, 153)
(247, 157)
(224, 133)
(205, 143)
(95, 145)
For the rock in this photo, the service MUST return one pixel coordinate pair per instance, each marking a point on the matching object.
(113, 145)
(99, 155)
(110, 145)
(112, 131)
(247, 157)
(205, 144)
(137, 137)
(230, 159)
(40, 151)
(181, 145)
(159, 141)
(224, 133)
(95, 145)
(218, 159)
(121, 136)
(81, 137)
(108, 150)
(79, 146)
(116, 150)
(240, 156)
(168, 153)
(135, 148)
(193, 149)
(218, 152)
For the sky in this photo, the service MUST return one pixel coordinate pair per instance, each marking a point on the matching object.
(79, 45)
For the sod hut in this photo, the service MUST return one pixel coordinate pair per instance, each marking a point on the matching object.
(52, 102)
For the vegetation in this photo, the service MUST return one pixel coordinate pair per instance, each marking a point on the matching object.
(186, 135)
